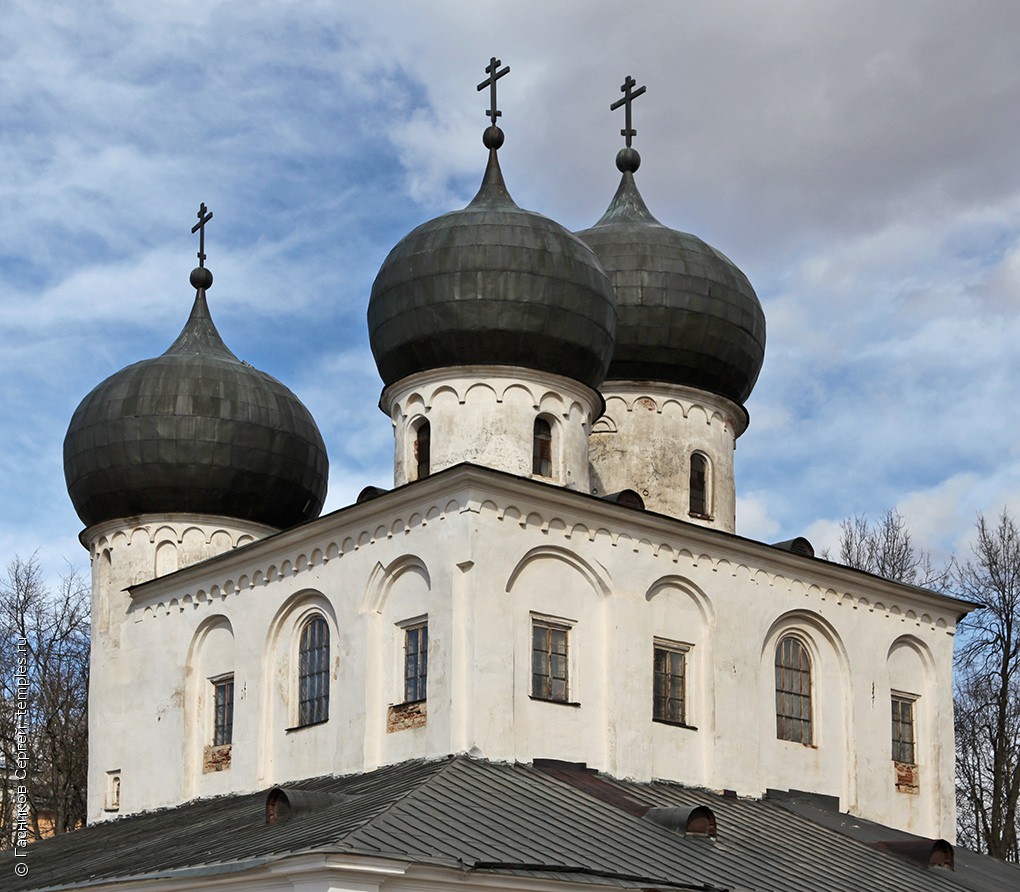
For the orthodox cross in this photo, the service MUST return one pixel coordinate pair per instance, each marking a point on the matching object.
(628, 98)
(495, 73)
(204, 216)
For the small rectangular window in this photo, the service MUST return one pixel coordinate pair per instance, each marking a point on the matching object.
(223, 711)
(669, 697)
(699, 485)
(541, 453)
(111, 801)
(416, 662)
(423, 450)
(549, 659)
(903, 729)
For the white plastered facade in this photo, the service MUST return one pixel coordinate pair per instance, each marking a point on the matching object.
(481, 556)
(647, 437)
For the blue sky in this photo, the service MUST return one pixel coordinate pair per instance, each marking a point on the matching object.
(858, 160)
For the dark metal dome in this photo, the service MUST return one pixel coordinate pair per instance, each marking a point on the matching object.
(492, 284)
(195, 431)
(687, 314)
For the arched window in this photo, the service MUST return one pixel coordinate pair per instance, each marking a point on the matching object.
(793, 691)
(699, 484)
(422, 449)
(541, 453)
(313, 672)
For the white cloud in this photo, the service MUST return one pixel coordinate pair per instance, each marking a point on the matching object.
(857, 159)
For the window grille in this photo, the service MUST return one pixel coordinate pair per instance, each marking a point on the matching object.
(313, 672)
(903, 729)
(223, 711)
(670, 682)
(793, 691)
(416, 662)
(549, 671)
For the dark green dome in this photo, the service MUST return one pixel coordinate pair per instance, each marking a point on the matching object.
(492, 284)
(687, 314)
(195, 431)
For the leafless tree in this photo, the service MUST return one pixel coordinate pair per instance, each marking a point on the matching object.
(44, 664)
(988, 691)
(886, 549)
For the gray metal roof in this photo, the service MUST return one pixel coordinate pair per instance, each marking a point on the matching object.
(195, 430)
(492, 284)
(687, 315)
(553, 821)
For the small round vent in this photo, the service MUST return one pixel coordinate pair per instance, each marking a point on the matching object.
(690, 820)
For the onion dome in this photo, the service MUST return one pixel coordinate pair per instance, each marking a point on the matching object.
(687, 314)
(492, 284)
(195, 431)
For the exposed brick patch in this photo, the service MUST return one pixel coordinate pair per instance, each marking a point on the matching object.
(405, 715)
(906, 777)
(216, 758)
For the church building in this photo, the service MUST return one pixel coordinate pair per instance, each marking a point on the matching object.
(543, 656)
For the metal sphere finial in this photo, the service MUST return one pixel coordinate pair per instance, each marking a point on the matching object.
(628, 160)
(493, 137)
(201, 278)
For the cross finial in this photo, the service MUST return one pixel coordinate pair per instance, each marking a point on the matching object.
(204, 216)
(495, 73)
(628, 98)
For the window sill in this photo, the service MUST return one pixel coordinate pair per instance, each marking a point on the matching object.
(698, 516)
(557, 702)
(675, 724)
(309, 725)
(809, 746)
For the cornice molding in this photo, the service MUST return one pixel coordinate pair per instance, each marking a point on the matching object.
(557, 513)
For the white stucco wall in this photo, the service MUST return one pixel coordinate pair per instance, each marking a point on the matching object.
(486, 415)
(645, 440)
(125, 552)
(480, 554)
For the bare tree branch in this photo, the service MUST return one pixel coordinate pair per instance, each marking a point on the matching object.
(44, 666)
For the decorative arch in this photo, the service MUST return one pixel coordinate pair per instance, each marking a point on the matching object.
(694, 592)
(552, 403)
(514, 390)
(382, 579)
(165, 560)
(832, 706)
(209, 668)
(804, 623)
(483, 388)
(280, 668)
(919, 647)
(910, 673)
(596, 579)
(680, 619)
(293, 611)
(202, 632)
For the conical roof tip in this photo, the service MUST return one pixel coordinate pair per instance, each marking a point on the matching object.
(199, 335)
(493, 190)
(627, 205)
